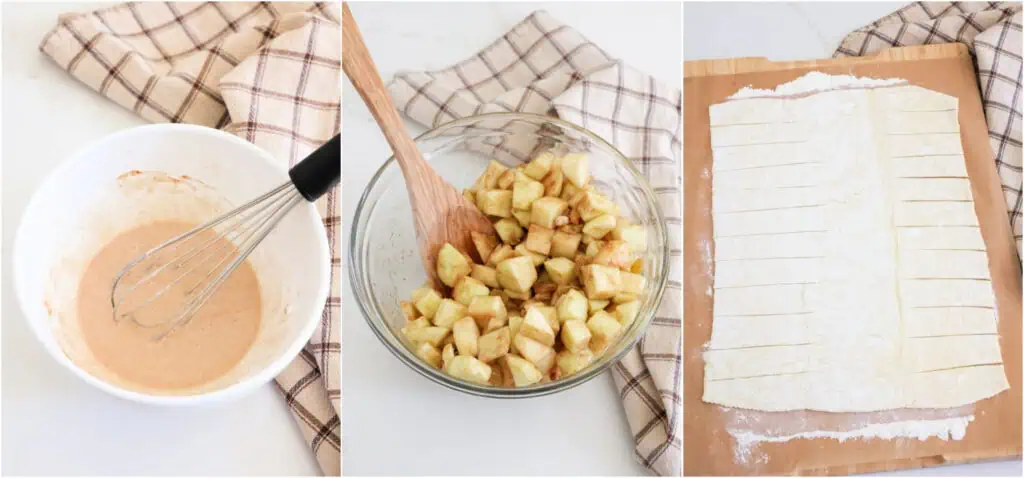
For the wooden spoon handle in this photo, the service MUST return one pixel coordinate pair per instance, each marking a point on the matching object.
(362, 72)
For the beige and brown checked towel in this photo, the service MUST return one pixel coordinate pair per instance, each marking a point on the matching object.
(267, 72)
(992, 31)
(543, 66)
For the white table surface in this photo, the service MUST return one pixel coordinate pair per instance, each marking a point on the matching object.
(797, 31)
(396, 422)
(52, 422)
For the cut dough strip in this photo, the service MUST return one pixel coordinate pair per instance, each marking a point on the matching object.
(766, 199)
(754, 272)
(761, 361)
(760, 156)
(928, 354)
(744, 135)
(767, 300)
(917, 264)
(934, 189)
(784, 176)
(751, 111)
(920, 122)
(939, 166)
(810, 219)
(952, 238)
(800, 244)
(946, 293)
(730, 332)
(954, 387)
(914, 98)
(939, 322)
(917, 145)
(934, 214)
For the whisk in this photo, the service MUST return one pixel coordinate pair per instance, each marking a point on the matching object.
(212, 251)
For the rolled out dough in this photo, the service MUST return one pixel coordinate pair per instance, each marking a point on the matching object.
(850, 271)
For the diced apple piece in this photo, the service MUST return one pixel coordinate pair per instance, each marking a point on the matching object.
(494, 324)
(487, 275)
(626, 312)
(483, 309)
(495, 202)
(614, 253)
(591, 204)
(494, 344)
(540, 165)
(604, 329)
(469, 369)
(601, 282)
(553, 182)
(599, 226)
(572, 306)
(507, 179)
(490, 176)
(550, 314)
(524, 373)
(484, 243)
(509, 230)
(525, 191)
(429, 354)
(418, 323)
(538, 239)
(466, 334)
(515, 321)
(575, 335)
(452, 265)
(522, 217)
(448, 312)
(545, 210)
(634, 234)
(540, 355)
(426, 301)
(430, 335)
(570, 363)
(518, 295)
(408, 310)
(447, 354)
(632, 283)
(576, 169)
(517, 274)
(535, 257)
(593, 247)
(535, 326)
(545, 291)
(564, 244)
(569, 190)
(561, 270)
(467, 288)
(596, 305)
(500, 253)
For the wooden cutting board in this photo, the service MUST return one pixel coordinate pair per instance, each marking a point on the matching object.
(709, 449)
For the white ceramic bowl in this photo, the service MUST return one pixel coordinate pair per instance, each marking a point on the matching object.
(188, 173)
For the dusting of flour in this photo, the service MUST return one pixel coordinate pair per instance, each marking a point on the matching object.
(750, 428)
(815, 81)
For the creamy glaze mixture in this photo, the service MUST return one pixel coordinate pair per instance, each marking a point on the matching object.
(205, 348)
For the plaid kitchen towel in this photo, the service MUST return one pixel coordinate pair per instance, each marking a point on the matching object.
(542, 66)
(992, 31)
(267, 72)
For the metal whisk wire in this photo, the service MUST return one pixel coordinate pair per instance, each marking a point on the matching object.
(239, 231)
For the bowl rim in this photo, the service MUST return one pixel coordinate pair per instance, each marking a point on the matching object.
(537, 390)
(231, 392)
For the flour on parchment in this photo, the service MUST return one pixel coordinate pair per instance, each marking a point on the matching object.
(850, 274)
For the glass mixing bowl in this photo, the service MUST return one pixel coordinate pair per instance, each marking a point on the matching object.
(384, 263)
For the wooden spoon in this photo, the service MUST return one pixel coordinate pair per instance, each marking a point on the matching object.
(440, 213)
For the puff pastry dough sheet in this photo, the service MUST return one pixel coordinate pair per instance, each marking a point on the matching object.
(850, 271)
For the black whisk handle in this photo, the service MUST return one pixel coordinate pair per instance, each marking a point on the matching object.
(318, 172)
